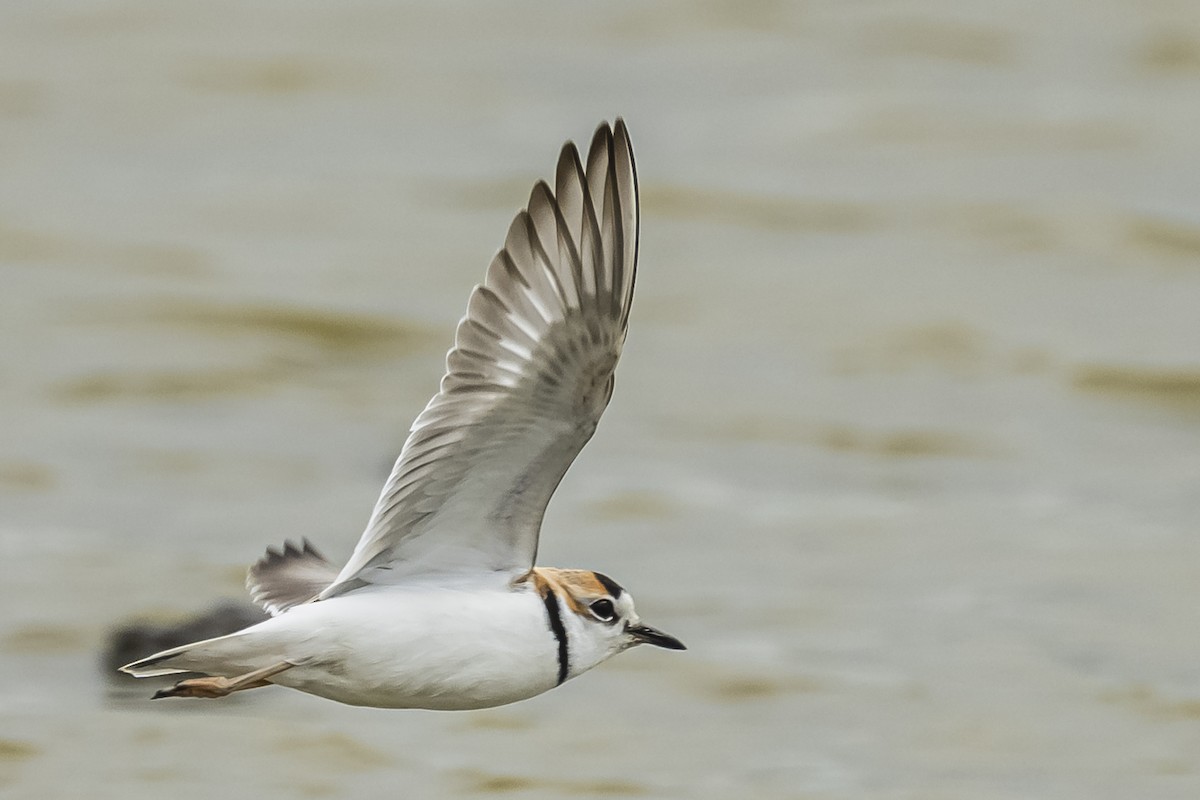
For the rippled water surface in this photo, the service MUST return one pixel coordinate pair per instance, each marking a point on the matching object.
(906, 438)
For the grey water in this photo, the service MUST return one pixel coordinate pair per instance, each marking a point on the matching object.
(905, 442)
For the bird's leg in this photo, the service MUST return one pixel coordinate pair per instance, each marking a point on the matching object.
(213, 687)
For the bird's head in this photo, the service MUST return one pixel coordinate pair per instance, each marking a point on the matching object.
(598, 616)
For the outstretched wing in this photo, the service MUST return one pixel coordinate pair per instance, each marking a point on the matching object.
(529, 376)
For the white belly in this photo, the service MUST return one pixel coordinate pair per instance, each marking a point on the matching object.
(397, 647)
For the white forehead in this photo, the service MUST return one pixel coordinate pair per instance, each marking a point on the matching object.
(624, 605)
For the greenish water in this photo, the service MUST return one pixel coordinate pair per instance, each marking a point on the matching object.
(906, 438)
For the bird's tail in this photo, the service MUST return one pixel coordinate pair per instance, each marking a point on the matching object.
(216, 656)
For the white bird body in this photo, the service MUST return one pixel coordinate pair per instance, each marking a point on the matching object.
(440, 605)
(407, 646)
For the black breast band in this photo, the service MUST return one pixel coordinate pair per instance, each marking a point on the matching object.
(560, 633)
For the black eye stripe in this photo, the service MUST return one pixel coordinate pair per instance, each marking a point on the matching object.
(610, 586)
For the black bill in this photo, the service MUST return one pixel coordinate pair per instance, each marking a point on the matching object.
(644, 634)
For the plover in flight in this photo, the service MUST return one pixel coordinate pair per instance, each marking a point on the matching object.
(440, 606)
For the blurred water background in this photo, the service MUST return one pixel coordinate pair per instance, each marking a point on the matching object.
(905, 443)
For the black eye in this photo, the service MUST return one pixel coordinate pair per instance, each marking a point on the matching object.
(603, 610)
